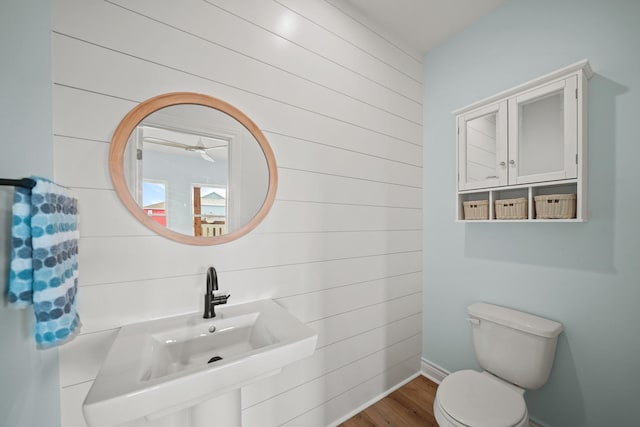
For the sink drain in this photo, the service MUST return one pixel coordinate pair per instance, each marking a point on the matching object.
(214, 359)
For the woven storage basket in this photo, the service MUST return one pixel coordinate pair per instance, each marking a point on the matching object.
(512, 208)
(556, 206)
(476, 209)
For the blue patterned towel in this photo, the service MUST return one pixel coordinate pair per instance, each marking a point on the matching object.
(44, 260)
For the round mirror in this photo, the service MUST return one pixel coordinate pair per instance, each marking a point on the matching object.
(193, 168)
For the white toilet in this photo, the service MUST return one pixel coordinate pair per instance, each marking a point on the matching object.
(516, 350)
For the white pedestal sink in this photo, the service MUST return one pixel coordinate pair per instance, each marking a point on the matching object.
(156, 368)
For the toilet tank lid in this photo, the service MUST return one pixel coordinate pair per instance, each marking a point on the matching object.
(515, 319)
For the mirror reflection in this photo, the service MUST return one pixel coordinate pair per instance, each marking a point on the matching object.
(196, 170)
(481, 148)
(541, 134)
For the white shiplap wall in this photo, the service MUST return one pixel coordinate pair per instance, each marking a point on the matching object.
(341, 248)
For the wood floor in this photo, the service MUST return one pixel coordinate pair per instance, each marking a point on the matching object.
(410, 405)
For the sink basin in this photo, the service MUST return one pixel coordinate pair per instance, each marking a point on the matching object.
(162, 366)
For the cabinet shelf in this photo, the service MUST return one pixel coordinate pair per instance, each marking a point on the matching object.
(527, 192)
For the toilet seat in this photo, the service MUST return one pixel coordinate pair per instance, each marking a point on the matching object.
(472, 399)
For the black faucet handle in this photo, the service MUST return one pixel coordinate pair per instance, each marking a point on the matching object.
(220, 299)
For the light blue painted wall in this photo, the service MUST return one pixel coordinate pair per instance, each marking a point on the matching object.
(585, 275)
(29, 389)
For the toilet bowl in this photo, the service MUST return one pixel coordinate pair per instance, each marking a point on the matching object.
(516, 350)
(487, 402)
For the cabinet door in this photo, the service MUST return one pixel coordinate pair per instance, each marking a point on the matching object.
(482, 147)
(543, 138)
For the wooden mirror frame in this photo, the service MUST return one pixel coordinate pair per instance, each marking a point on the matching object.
(144, 109)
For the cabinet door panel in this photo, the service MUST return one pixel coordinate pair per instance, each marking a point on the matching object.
(543, 134)
(482, 148)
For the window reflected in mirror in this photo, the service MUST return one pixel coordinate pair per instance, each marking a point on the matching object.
(154, 200)
(209, 211)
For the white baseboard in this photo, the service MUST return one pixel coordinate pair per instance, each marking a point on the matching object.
(436, 374)
(432, 371)
(374, 400)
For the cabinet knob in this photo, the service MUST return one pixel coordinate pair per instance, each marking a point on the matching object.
(492, 176)
(503, 164)
(512, 162)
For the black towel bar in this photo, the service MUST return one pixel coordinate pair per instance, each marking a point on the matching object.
(24, 182)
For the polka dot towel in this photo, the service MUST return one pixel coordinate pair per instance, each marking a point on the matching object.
(44, 260)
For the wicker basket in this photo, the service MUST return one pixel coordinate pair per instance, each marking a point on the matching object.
(512, 208)
(476, 209)
(556, 206)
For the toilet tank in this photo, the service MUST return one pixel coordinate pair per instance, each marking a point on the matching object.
(515, 346)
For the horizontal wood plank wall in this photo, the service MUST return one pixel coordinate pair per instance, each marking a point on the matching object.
(342, 246)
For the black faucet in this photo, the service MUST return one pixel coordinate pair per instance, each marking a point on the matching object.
(210, 299)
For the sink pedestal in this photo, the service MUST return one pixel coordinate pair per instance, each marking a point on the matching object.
(223, 410)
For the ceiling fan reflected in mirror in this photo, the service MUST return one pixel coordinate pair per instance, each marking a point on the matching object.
(201, 148)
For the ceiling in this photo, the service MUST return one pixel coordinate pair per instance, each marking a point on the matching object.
(420, 24)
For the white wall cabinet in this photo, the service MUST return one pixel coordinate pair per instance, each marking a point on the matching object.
(529, 140)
